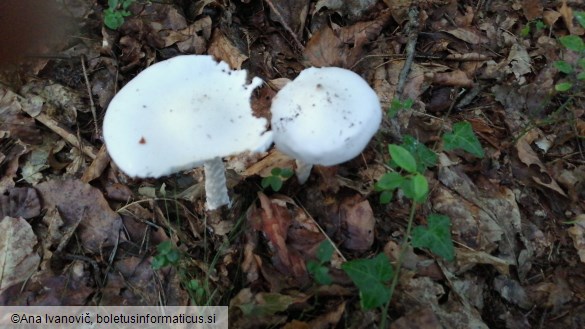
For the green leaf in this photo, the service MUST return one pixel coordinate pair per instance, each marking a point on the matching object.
(371, 277)
(385, 197)
(319, 272)
(275, 171)
(159, 262)
(389, 182)
(286, 173)
(402, 157)
(113, 4)
(564, 67)
(540, 25)
(573, 42)
(525, 31)
(462, 137)
(325, 251)
(276, 184)
(267, 304)
(396, 105)
(266, 181)
(563, 86)
(581, 76)
(436, 237)
(164, 247)
(415, 188)
(580, 17)
(113, 19)
(581, 63)
(420, 187)
(423, 156)
(173, 256)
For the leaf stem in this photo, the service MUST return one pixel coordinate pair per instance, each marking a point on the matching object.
(403, 246)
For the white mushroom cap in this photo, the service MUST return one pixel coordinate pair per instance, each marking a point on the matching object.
(325, 116)
(179, 113)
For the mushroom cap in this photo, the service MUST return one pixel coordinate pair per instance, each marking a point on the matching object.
(325, 116)
(178, 113)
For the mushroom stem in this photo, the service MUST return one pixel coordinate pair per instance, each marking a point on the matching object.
(303, 171)
(215, 184)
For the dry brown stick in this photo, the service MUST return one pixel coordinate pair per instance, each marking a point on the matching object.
(412, 30)
(91, 103)
(285, 25)
(62, 131)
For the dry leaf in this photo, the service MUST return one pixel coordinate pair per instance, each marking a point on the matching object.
(18, 259)
(577, 233)
(99, 225)
(357, 221)
(20, 202)
(222, 48)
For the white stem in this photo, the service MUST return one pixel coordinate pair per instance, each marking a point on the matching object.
(215, 184)
(303, 171)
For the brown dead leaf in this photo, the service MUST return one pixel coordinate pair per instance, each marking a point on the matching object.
(453, 78)
(468, 35)
(357, 222)
(527, 155)
(567, 13)
(532, 9)
(352, 8)
(222, 48)
(71, 288)
(20, 202)
(577, 233)
(192, 39)
(275, 220)
(133, 282)
(399, 9)
(15, 121)
(99, 226)
(292, 13)
(423, 318)
(329, 319)
(18, 259)
(512, 291)
(342, 46)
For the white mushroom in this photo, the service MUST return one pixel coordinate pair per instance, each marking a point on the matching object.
(325, 116)
(182, 113)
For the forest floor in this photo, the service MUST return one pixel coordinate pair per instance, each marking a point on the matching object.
(511, 254)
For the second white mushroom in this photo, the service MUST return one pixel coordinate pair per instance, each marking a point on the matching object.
(325, 116)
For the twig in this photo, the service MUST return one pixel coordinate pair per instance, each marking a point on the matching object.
(412, 29)
(91, 103)
(285, 25)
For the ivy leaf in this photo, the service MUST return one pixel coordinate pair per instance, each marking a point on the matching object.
(462, 137)
(286, 173)
(436, 237)
(371, 277)
(402, 157)
(573, 42)
(423, 156)
(564, 67)
(416, 188)
(324, 251)
(319, 272)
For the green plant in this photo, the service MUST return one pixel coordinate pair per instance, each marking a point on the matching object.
(116, 12)
(397, 105)
(538, 24)
(317, 268)
(409, 162)
(277, 177)
(575, 72)
(166, 255)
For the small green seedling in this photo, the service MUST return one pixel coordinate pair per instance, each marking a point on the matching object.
(575, 73)
(317, 268)
(538, 24)
(397, 105)
(117, 11)
(166, 255)
(277, 177)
